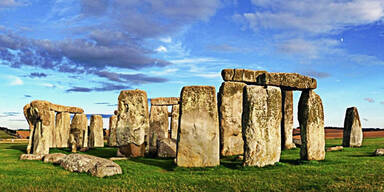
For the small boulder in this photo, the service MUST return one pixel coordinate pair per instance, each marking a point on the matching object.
(96, 166)
(54, 158)
(31, 157)
(166, 147)
(379, 152)
(336, 148)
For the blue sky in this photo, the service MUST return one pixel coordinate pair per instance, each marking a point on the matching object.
(83, 52)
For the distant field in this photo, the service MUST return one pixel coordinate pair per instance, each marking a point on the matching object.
(349, 170)
(4, 135)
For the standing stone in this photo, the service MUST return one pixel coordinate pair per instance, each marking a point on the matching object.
(287, 121)
(174, 121)
(198, 139)
(79, 131)
(261, 125)
(28, 116)
(230, 113)
(63, 128)
(158, 125)
(96, 137)
(132, 120)
(166, 148)
(311, 119)
(353, 132)
(112, 131)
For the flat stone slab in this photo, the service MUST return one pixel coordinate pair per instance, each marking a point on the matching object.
(31, 157)
(288, 81)
(336, 148)
(54, 158)
(96, 166)
(165, 101)
(57, 108)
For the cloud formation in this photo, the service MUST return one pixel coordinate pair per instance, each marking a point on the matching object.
(37, 75)
(104, 87)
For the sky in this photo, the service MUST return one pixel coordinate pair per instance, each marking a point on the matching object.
(84, 52)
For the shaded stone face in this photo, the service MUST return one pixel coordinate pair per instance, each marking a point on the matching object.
(133, 118)
(311, 119)
(132, 150)
(79, 131)
(198, 139)
(165, 101)
(261, 125)
(112, 131)
(287, 121)
(158, 122)
(230, 113)
(174, 121)
(62, 129)
(166, 147)
(353, 132)
(96, 138)
(289, 81)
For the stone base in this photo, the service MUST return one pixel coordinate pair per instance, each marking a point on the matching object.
(132, 150)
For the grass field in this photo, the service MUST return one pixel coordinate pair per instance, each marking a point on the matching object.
(349, 170)
(4, 135)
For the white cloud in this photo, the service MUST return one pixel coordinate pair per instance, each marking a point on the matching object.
(313, 16)
(48, 85)
(161, 49)
(209, 75)
(164, 72)
(15, 80)
(194, 60)
(166, 40)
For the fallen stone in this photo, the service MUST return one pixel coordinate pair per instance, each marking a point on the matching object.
(31, 157)
(379, 152)
(261, 125)
(118, 158)
(288, 81)
(96, 166)
(230, 113)
(198, 139)
(297, 142)
(165, 101)
(132, 118)
(353, 132)
(96, 137)
(166, 147)
(336, 148)
(311, 120)
(54, 158)
(112, 131)
(62, 129)
(174, 121)
(158, 125)
(287, 121)
(132, 150)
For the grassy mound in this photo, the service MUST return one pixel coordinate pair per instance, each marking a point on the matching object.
(353, 169)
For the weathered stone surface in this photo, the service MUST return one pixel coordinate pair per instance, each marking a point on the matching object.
(96, 137)
(289, 81)
(230, 114)
(133, 118)
(379, 152)
(261, 125)
(79, 131)
(62, 129)
(132, 150)
(112, 131)
(353, 132)
(287, 121)
(28, 116)
(54, 158)
(241, 75)
(53, 133)
(118, 158)
(158, 125)
(166, 147)
(336, 148)
(297, 142)
(174, 121)
(165, 101)
(61, 108)
(31, 157)
(198, 139)
(96, 166)
(311, 119)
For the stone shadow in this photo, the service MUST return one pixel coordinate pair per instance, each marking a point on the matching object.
(164, 163)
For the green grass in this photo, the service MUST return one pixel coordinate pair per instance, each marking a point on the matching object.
(4, 135)
(353, 169)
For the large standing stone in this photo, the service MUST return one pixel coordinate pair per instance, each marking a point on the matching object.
(158, 129)
(63, 128)
(261, 125)
(353, 132)
(311, 119)
(174, 121)
(198, 139)
(79, 131)
(287, 121)
(28, 116)
(132, 120)
(230, 113)
(112, 131)
(96, 137)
